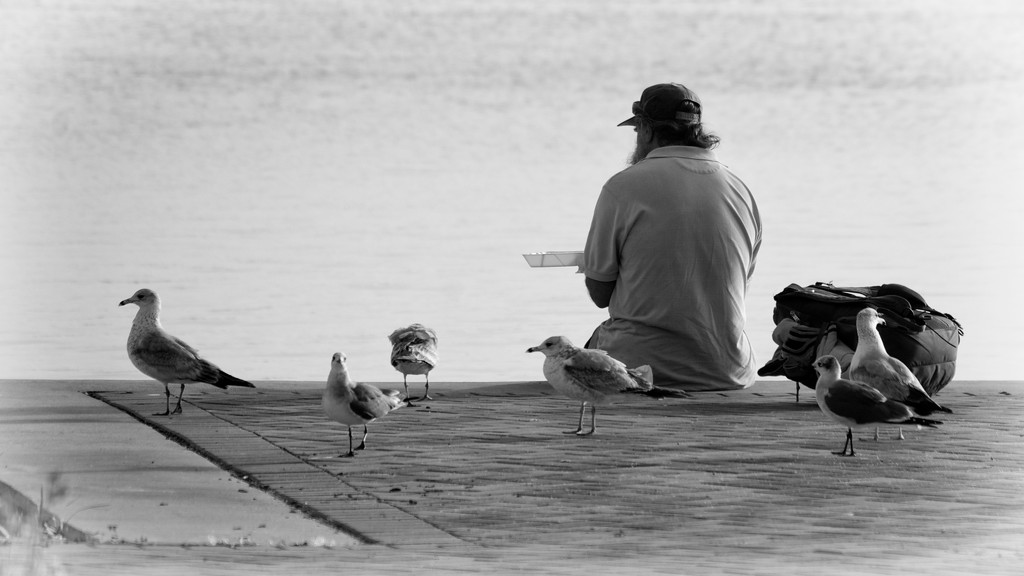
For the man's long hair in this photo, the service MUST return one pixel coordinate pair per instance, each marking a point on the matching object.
(685, 135)
(674, 133)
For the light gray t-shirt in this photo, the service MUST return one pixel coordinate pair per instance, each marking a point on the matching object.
(679, 234)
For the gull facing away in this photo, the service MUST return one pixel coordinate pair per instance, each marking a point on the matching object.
(856, 404)
(591, 376)
(890, 376)
(414, 351)
(354, 403)
(167, 359)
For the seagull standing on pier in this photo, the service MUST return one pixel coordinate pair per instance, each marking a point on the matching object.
(890, 376)
(165, 358)
(414, 351)
(856, 404)
(354, 403)
(591, 376)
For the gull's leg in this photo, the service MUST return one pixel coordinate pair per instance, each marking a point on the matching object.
(167, 397)
(876, 433)
(362, 443)
(177, 407)
(593, 422)
(845, 443)
(350, 452)
(405, 380)
(426, 390)
(797, 391)
(900, 437)
(849, 442)
(583, 406)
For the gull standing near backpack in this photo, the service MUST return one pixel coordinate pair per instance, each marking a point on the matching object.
(671, 250)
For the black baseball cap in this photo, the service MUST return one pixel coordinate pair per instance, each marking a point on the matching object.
(661, 103)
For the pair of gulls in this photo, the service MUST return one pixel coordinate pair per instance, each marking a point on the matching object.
(878, 388)
(170, 360)
(413, 351)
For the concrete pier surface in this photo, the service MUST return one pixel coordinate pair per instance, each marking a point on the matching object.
(482, 480)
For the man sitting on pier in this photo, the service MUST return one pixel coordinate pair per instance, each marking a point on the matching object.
(671, 249)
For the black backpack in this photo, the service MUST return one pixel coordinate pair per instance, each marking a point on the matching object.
(925, 339)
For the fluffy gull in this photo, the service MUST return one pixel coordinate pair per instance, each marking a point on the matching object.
(414, 351)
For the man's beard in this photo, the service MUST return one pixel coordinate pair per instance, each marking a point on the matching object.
(641, 151)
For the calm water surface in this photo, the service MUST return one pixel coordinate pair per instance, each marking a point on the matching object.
(301, 178)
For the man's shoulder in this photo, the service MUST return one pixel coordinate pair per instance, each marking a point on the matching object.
(630, 176)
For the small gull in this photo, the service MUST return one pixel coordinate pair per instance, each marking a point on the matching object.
(414, 351)
(890, 376)
(354, 403)
(856, 404)
(591, 375)
(165, 358)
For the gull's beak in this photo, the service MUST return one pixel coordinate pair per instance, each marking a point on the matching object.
(125, 301)
(531, 349)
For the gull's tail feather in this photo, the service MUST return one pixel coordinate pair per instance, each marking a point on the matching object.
(224, 380)
(922, 404)
(642, 375)
(921, 422)
(394, 398)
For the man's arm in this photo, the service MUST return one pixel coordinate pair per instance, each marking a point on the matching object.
(604, 243)
(600, 292)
